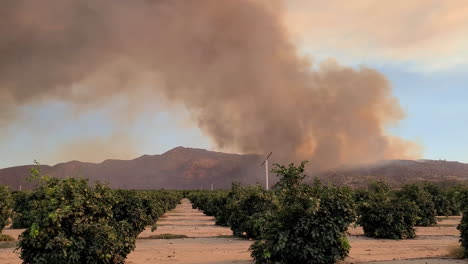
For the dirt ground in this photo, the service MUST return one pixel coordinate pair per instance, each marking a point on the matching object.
(208, 243)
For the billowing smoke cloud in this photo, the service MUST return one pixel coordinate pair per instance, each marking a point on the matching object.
(230, 63)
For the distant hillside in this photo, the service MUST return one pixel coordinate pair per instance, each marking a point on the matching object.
(398, 172)
(179, 168)
(188, 168)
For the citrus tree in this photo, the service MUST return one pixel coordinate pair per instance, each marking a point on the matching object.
(309, 224)
(385, 215)
(21, 216)
(5, 206)
(212, 203)
(426, 212)
(463, 227)
(74, 222)
(439, 199)
(71, 223)
(248, 207)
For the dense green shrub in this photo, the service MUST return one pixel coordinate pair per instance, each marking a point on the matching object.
(134, 210)
(220, 212)
(360, 196)
(378, 187)
(163, 200)
(463, 226)
(21, 216)
(71, 224)
(212, 203)
(5, 206)
(309, 225)
(364, 195)
(426, 213)
(247, 207)
(456, 196)
(141, 208)
(242, 208)
(131, 213)
(75, 223)
(463, 199)
(384, 215)
(439, 199)
(216, 206)
(446, 199)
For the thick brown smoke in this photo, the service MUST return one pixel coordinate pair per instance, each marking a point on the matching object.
(230, 63)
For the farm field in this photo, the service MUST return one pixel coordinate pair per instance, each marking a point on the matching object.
(208, 243)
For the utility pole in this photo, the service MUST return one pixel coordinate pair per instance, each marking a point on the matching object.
(211, 187)
(266, 170)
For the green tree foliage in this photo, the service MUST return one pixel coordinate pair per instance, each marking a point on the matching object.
(360, 196)
(212, 204)
(134, 210)
(242, 208)
(455, 195)
(142, 208)
(384, 215)
(426, 213)
(5, 206)
(298, 223)
(73, 222)
(379, 187)
(309, 225)
(220, 212)
(439, 198)
(21, 216)
(248, 208)
(463, 227)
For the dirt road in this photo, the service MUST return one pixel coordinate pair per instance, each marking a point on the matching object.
(207, 243)
(211, 244)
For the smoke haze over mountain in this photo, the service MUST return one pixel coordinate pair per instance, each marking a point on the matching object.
(188, 168)
(230, 63)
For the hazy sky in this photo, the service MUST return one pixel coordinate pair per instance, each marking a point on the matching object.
(419, 45)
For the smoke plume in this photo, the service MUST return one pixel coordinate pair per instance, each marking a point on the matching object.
(230, 63)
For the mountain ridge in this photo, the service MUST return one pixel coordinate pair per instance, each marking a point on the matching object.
(178, 168)
(192, 168)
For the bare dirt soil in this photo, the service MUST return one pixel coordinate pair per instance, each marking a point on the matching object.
(211, 244)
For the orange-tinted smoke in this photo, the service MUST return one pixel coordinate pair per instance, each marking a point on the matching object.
(231, 63)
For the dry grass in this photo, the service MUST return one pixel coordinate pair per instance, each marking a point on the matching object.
(8, 244)
(7, 241)
(226, 236)
(166, 236)
(4, 237)
(456, 252)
